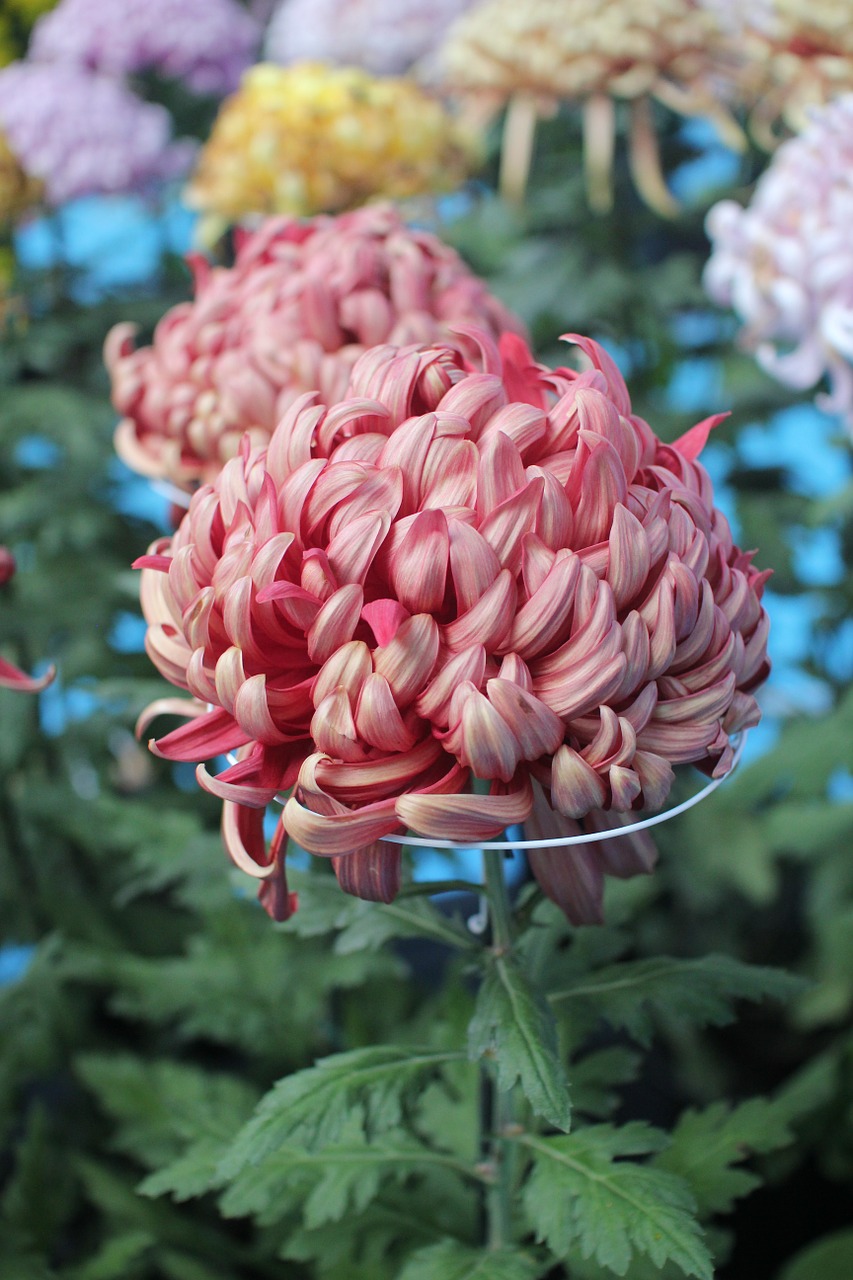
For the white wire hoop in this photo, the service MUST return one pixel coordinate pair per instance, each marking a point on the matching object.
(588, 837)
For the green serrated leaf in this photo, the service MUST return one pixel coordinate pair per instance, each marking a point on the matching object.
(829, 1259)
(583, 1193)
(374, 925)
(342, 1178)
(707, 1146)
(162, 1107)
(513, 1027)
(703, 992)
(597, 1077)
(450, 1260)
(312, 1107)
(367, 926)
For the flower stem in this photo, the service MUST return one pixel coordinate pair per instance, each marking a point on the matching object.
(497, 1102)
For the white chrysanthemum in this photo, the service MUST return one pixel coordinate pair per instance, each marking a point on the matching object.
(785, 262)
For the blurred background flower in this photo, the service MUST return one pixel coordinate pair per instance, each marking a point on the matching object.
(311, 138)
(80, 132)
(785, 261)
(791, 54)
(383, 36)
(205, 43)
(535, 55)
(300, 304)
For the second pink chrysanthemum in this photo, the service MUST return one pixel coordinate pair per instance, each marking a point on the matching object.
(300, 304)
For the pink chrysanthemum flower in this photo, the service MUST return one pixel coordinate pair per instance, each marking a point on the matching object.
(11, 677)
(785, 262)
(470, 567)
(300, 304)
(383, 36)
(82, 133)
(206, 43)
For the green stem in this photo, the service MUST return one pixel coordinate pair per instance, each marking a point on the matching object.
(500, 909)
(500, 1101)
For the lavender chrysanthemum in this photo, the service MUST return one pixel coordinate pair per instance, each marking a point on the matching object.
(383, 36)
(785, 262)
(82, 133)
(206, 43)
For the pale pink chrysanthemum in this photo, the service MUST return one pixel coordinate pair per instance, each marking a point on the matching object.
(207, 44)
(785, 262)
(383, 36)
(471, 566)
(300, 304)
(11, 677)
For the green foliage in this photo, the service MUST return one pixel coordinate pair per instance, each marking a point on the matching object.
(632, 994)
(514, 1029)
(708, 1147)
(830, 1259)
(160, 1107)
(452, 1261)
(314, 1106)
(369, 926)
(584, 1194)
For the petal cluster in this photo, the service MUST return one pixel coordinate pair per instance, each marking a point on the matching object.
(300, 304)
(785, 261)
(470, 567)
(384, 36)
(311, 138)
(206, 43)
(81, 133)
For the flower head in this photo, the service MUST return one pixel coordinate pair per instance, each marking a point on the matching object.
(471, 566)
(311, 138)
(81, 133)
(300, 304)
(785, 262)
(593, 51)
(206, 43)
(384, 36)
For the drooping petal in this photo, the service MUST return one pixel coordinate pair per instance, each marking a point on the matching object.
(372, 873)
(206, 736)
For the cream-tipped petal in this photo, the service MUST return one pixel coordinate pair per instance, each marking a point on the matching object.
(575, 786)
(335, 623)
(378, 718)
(407, 662)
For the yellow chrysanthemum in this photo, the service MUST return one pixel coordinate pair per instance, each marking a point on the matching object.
(18, 191)
(542, 52)
(310, 138)
(794, 54)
